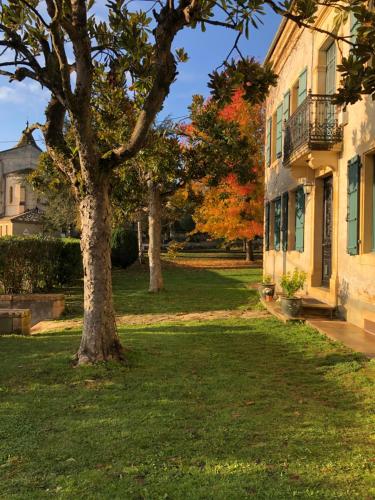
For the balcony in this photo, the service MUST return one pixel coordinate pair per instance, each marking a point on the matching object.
(313, 126)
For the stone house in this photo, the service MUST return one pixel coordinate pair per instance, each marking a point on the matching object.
(320, 173)
(20, 209)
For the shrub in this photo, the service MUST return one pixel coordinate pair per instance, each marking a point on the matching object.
(292, 282)
(70, 267)
(267, 279)
(173, 248)
(124, 245)
(37, 264)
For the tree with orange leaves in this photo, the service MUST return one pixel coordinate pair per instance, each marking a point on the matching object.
(232, 209)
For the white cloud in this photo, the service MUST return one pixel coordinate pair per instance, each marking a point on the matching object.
(28, 93)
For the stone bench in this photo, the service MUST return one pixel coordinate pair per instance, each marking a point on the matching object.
(43, 306)
(15, 321)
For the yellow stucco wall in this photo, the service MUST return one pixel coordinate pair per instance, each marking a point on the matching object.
(352, 285)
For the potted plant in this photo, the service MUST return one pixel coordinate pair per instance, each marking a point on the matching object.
(267, 288)
(291, 283)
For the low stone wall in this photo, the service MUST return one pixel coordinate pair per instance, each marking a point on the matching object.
(16, 321)
(42, 306)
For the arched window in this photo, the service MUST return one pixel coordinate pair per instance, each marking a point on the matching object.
(22, 195)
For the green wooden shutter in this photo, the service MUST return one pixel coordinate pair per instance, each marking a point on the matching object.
(277, 225)
(354, 167)
(268, 141)
(300, 220)
(330, 83)
(279, 130)
(302, 87)
(286, 106)
(354, 25)
(284, 222)
(267, 227)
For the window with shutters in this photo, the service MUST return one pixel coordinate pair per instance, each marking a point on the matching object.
(299, 220)
(267, 227)
(277, 224)
(279, 131)
(268, 141)
(286, 106)
(302, 87)
(354, 166)
(354, 25)
(284, 221)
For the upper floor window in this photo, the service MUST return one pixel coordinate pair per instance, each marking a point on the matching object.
(354, 25)
(286, 106)
(330, 81)
(268, 141)
(279, 131)
(302, 87)
(298, 92)
(11, 194)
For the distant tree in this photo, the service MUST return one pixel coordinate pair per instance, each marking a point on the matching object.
(60, 212)
(232, 209)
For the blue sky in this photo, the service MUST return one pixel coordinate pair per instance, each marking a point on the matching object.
(26, 100)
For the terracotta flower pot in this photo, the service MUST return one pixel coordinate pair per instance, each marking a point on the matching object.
(267, 291)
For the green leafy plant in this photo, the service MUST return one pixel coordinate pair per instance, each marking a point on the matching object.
(267, 279)
(291, 282)
(124, 246)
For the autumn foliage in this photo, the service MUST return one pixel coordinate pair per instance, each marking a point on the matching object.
(232, 209)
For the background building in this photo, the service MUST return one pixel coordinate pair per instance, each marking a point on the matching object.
(20, 210)
(320, 173)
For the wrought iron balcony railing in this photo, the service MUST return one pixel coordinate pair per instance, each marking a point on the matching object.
(314, 124)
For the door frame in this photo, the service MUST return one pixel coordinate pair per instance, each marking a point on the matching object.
(326, 280)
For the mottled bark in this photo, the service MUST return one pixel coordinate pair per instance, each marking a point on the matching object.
(154, 232)
(100, 341)
(249, 251)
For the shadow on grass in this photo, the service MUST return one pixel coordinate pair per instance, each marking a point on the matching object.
(218, 410)
(186, 290)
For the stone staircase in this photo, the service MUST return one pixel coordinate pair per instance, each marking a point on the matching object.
(313, 308)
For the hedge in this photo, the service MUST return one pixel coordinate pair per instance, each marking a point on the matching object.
(124, 245)
(38, 264)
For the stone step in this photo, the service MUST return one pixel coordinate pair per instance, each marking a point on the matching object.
(15, 321)
(316, 308)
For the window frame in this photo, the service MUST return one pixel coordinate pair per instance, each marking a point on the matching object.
(277, 224)
(299, 218)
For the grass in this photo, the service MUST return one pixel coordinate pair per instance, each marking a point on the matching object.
(204, 410)
(187, 290)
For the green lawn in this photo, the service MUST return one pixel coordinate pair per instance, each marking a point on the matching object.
(186, 290)
(206, 410)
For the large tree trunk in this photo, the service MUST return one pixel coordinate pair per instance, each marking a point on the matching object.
(154, 233)
(249, 251)
(140, 239)
(100, 341)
